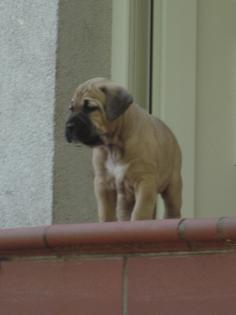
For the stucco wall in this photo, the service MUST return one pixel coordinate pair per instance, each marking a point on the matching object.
(27, 61)
(46, 49)
(84, 51)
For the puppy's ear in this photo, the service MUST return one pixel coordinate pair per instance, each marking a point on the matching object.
(117, 101)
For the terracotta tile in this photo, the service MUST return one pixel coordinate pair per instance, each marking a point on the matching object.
(227, 228)
(22, 238)
(193, 285)
(83, 287)
(199, 230)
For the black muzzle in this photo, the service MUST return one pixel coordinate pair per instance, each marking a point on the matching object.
(79, 128)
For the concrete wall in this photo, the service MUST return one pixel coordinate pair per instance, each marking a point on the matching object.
(27, 62)
(46, 49)
(84, 51)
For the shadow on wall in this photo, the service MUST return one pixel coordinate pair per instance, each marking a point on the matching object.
(84, 51)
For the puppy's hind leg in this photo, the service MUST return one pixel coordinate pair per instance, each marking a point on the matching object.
(145, 199)
(172, 197)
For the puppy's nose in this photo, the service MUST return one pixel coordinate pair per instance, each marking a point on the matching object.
(69, 132)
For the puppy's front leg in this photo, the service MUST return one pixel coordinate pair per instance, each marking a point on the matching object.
(125, 204)
(106, 200)
(145, 196)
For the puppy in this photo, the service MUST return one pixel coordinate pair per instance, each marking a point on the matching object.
(135, 155)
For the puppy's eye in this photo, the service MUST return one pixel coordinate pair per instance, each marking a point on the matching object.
(88, 108)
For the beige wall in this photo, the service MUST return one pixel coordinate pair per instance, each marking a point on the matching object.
(215, 108)
(84, 51)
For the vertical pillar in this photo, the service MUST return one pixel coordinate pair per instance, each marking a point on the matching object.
(84, 51)
(28, 34)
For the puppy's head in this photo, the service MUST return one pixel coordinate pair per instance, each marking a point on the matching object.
(95, 105)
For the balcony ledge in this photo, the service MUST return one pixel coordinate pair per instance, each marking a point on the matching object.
(154, 236)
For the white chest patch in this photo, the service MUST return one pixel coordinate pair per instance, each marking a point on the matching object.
(116, 170)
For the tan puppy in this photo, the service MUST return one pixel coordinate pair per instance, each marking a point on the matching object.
(135, 156)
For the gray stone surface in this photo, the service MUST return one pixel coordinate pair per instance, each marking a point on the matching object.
(84, 51)
(28, 33)
(46, 49)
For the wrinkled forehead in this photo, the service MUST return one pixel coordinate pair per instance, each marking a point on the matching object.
(89, 90)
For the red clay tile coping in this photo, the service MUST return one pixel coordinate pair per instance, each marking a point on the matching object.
(121, 237)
